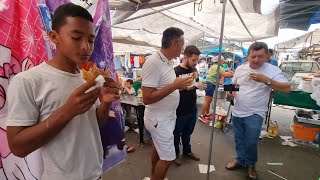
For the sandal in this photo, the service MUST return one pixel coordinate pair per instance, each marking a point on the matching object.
(130, 149)
(233, 165)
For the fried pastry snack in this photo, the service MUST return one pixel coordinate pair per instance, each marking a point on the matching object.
(194, 74)
(93, 73)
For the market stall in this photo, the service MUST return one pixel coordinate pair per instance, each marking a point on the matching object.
(243, 19)
(309, 39)
(299, 72)
(295, 98)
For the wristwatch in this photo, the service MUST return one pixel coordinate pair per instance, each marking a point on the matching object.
(269, 81)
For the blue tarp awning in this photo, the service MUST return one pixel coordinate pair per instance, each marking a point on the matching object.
(230, 54)
(299, 14)
(214, 50)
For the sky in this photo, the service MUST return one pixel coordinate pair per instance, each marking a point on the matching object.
(267, 6)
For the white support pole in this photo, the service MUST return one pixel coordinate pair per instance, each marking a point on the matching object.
(217, 84)
(245, 26)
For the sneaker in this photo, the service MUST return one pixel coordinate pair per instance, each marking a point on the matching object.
(203, 119)
(178, 161)
(209, 116)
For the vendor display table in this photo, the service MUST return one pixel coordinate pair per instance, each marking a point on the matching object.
(298, 99)
(295, 98)
(139, 109)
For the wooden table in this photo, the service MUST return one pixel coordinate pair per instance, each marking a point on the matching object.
(139, 109)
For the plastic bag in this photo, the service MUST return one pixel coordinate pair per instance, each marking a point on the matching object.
(273, 130)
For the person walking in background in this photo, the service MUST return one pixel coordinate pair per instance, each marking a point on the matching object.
(187, 111)
(256, 80)
(161, 97)
(271, 60)
(211, 85)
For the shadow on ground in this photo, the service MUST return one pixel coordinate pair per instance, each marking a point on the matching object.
(300, 163)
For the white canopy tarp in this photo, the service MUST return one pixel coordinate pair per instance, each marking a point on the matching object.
(201, 20)
(306, 40)
(121, 49)
(133, 5)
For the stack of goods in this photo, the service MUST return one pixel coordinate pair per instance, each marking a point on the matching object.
(316, 89)
(306, 84)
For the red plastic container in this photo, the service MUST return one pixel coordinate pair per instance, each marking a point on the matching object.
(304, 133)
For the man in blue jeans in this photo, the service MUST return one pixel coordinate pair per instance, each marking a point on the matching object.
(256, 79)
(187, 109)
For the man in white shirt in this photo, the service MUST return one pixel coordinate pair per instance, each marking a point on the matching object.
(161, 97)
(51, 107)
(256, 79)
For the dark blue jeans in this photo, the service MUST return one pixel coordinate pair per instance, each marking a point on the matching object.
(184, 128)
(246, 134)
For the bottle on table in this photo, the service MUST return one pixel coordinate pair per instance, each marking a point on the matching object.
(139, 96)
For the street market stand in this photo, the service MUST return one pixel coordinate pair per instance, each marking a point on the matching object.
(296, 99)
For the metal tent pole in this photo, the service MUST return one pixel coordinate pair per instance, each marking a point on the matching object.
(245, 26)
(156, 11)
(232, 69)
(234, 53)
(217, 84)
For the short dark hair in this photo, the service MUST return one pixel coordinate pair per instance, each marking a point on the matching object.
(258, 46)
(129, 81)
(170, 34)
(190, 50)
(68, 10)
(271, 51)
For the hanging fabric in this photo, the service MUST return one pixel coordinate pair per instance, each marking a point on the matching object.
(131, 60)
(136, 61)
(141, 60)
